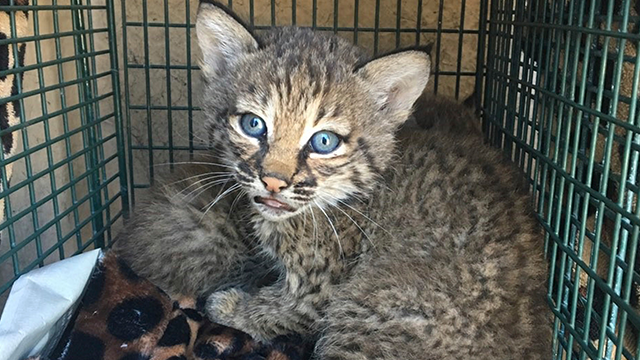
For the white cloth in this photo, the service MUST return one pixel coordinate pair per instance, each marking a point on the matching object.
(40, 304)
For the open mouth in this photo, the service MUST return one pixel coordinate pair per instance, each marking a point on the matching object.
(273, 203)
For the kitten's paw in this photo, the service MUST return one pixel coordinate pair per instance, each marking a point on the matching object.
(222, 305)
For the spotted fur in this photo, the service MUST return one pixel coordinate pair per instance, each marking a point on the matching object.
(411, 245)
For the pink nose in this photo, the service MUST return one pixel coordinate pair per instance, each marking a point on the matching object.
(274, 184)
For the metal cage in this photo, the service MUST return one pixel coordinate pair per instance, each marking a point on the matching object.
(108, 92)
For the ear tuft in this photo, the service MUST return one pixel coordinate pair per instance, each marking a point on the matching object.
(396, 81)
(223, 39)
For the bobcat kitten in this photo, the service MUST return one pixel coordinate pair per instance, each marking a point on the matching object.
(315, 216)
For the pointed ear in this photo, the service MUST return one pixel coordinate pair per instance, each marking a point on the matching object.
(222, 38)
(396, 81)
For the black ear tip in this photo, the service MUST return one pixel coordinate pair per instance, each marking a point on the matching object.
(212, 2)
(218, 5)
(424, 48)
(420, 48)
(427, 48)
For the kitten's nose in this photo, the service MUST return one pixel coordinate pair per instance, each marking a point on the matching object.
(274, 184)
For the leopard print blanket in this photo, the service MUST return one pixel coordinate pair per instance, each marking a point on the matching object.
(124, 317)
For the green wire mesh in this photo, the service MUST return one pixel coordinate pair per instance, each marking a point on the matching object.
(68, 183)
(556, 82)
(561, 99)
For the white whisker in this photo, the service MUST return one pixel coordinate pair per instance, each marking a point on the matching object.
(201, 189)
(333, 227)
(200, 175)
(357, 197)
(213, 177)
(240, 194)
(366, 217)
(194, 163)
(315, 232)
(356, 224)
(219, 197)
(358, 211)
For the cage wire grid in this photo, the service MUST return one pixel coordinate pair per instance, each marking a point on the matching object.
(70, 193)
(558, 83)
(561, 123)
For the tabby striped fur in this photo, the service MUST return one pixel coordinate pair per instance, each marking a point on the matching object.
(422, 249)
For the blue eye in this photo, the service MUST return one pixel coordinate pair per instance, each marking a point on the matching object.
(253, 125)
(324, 142)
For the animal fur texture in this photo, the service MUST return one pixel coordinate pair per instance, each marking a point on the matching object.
(417, 244)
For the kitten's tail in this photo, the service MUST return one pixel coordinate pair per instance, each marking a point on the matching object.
(443, 114)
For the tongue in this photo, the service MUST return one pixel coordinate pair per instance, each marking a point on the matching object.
(274, 203)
